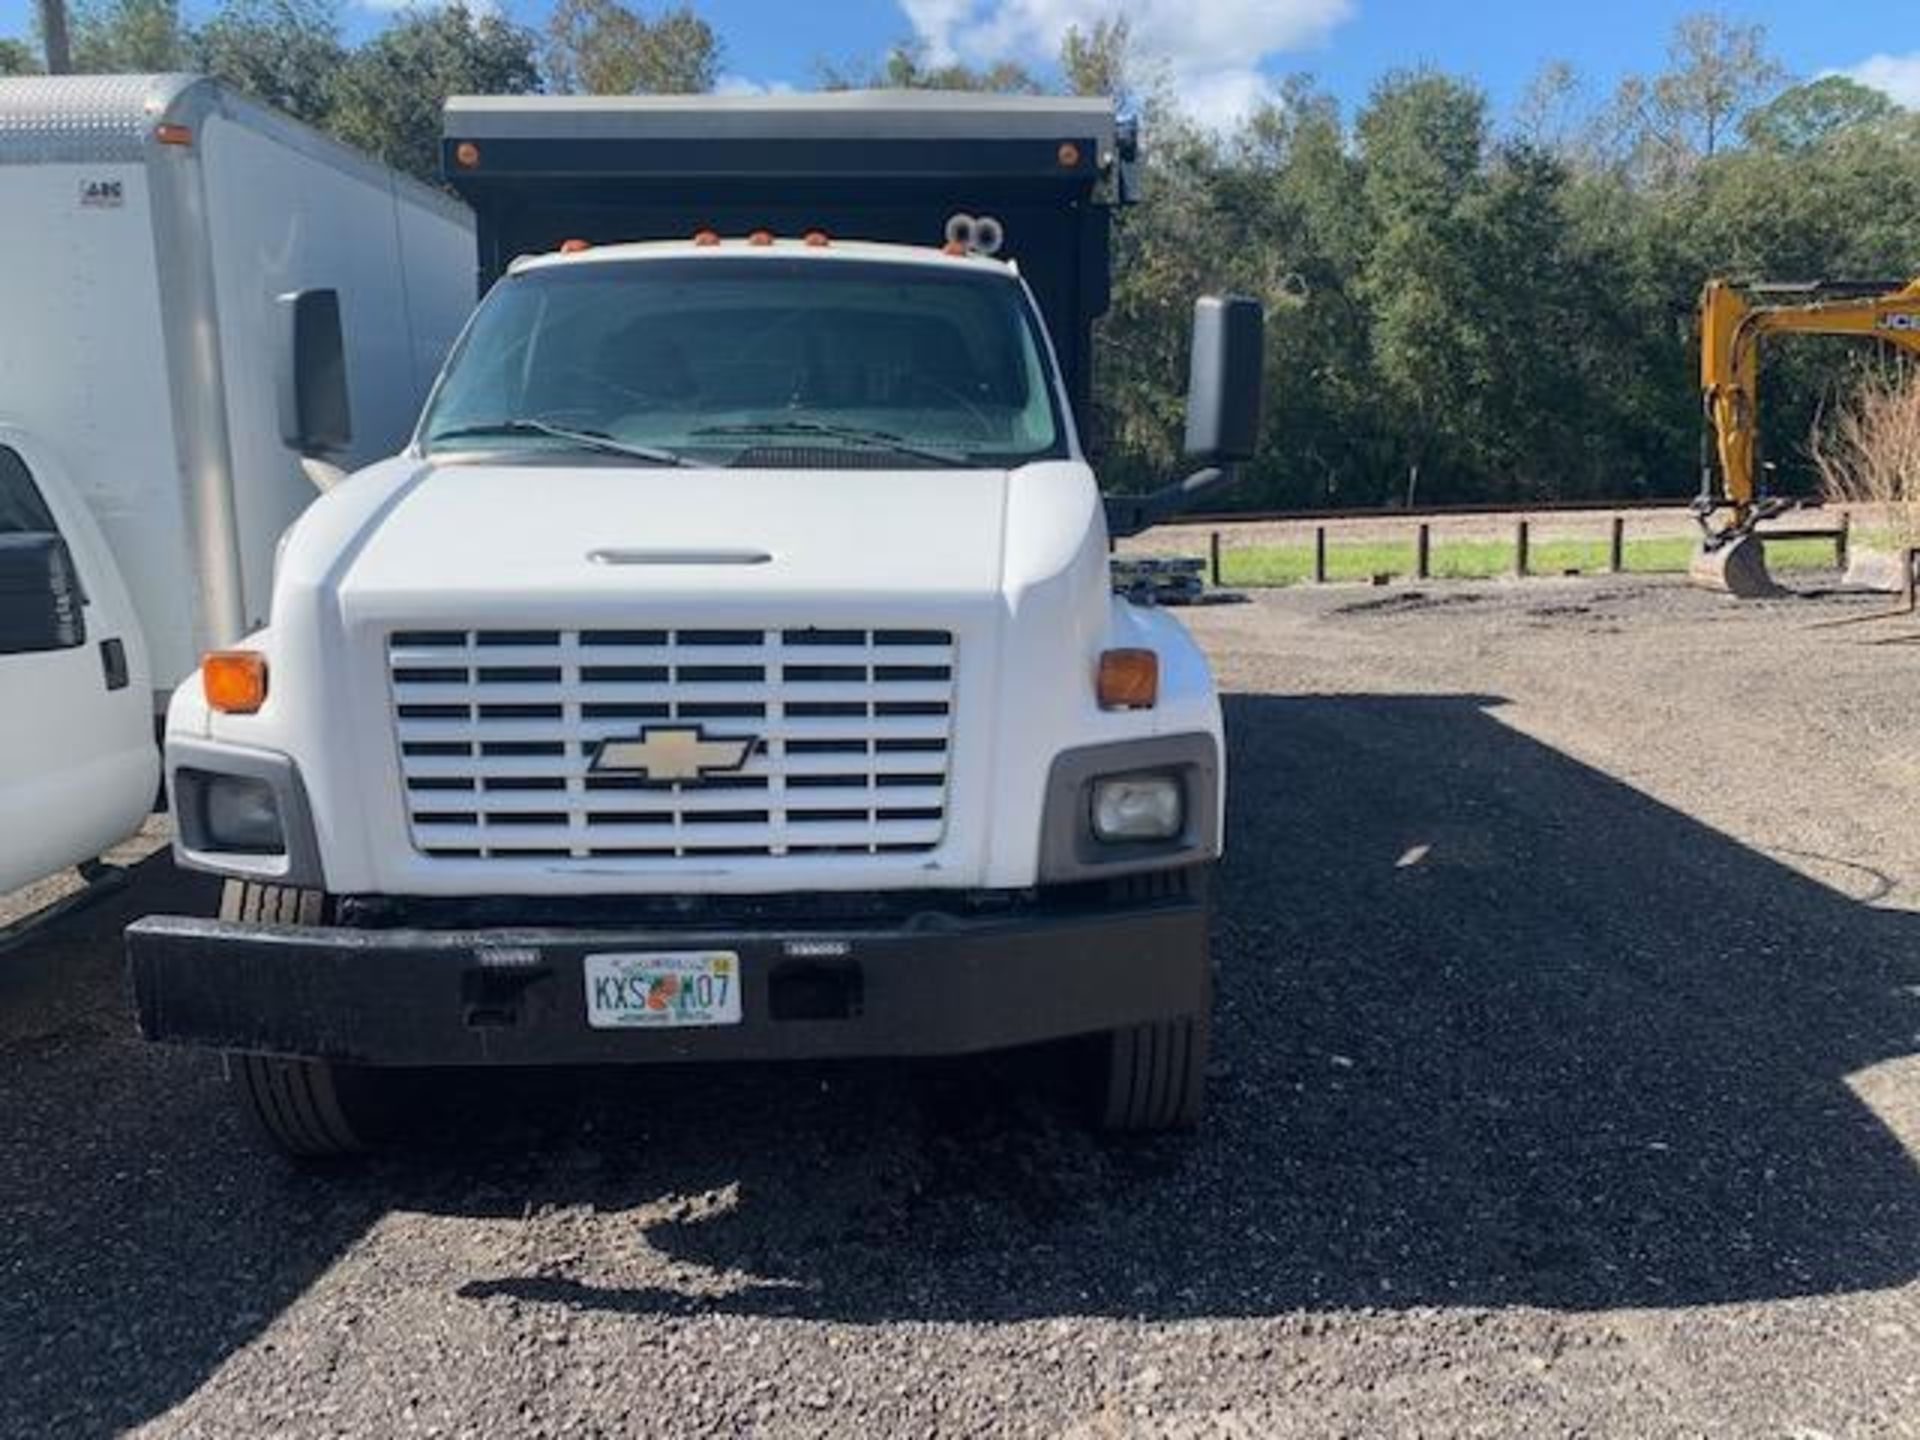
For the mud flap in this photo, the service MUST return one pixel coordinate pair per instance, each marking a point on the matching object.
(1737, 568)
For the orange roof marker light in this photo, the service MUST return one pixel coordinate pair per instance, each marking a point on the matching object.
(574, 247)
(816, 238)
(169, 133)
(953, 247)
(235, 681)
(760, 237)
(1068, 155)
(706, 237)
(467, 155)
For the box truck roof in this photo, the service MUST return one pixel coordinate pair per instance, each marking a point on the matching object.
(82, 118)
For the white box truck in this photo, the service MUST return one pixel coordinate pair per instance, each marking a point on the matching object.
(148, 226)
(729, 666)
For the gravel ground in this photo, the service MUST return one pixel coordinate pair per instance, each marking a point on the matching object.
(1569, 1006)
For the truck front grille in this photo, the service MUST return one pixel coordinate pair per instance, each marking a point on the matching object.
(846, 734)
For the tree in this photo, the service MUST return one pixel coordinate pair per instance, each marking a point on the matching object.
(1104, 60)
(1544, 116)
(1717, 70)
(1808, 114)
(601, 47)
(1293, 182)
(905, 67)
(17, 58)
(1422, 138)
(387, 99)
(282, 52)
(110, 36)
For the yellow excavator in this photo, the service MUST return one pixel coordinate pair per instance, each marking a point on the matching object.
(1734, 318)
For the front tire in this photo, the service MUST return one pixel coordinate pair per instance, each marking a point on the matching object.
(298, 1104)
(309, 1109)
(1153, 1077)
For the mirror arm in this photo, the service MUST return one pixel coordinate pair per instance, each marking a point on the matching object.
(323, 475)
(1131, 514)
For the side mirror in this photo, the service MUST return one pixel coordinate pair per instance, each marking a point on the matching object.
(1224, 380)
(40, 595)
(1223, 412)
(311, 379)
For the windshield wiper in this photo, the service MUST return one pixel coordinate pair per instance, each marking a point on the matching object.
(586, 439)
(853, 434)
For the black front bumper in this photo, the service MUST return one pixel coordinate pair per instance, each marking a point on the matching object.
(936, 986)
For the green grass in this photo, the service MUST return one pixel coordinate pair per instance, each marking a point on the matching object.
(1255, 565)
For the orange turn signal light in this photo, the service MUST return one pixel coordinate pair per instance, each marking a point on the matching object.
(466, 155)
(1128, 680)
(235, 681)
(169, 133)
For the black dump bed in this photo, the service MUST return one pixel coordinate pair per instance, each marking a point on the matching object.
(859, 165)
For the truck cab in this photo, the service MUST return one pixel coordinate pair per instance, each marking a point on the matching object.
(729, 668)
(78, 766)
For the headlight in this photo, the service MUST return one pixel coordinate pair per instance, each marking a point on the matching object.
(1138, 807)
(242, 815)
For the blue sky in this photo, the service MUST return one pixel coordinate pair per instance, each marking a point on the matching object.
(1220, 53)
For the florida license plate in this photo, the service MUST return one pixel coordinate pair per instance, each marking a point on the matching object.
(662, 989)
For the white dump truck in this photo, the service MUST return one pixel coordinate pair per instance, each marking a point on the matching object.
(149, 225)
(729, 667)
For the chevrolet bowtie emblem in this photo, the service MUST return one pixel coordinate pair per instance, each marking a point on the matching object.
(673, 755)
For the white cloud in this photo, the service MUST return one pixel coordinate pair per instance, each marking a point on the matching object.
(1897, 75)
(1211, 49)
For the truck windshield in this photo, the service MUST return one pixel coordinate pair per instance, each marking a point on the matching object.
(768, 361)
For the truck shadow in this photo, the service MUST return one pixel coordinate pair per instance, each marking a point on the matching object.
(143, 1238)
(1494, 1029)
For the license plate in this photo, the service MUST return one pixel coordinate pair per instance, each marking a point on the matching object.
(663, 989)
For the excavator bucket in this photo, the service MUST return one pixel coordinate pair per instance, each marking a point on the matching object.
(1738, 568)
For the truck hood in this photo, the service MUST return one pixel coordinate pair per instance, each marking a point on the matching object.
(453, 536)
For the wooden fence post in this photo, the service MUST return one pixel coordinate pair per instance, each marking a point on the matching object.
(1520, 548)
(1617, 545)
(1213, 557)
(1319, 554)
(1843, 540)
(1423, 552)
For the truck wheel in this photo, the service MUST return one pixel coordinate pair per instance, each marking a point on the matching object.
(308, 1108)
(300, 1104)
(1154, 1076)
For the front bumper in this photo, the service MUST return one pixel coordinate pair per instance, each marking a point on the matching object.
(935, 985)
